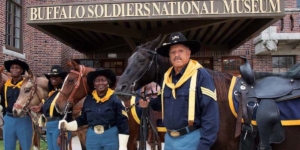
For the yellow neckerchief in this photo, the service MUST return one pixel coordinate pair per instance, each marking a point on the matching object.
(53, 102)
(53, 91)
(192, 67)
(9, 84)
(105, 98)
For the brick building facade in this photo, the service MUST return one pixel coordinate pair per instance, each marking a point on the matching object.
(42, 51)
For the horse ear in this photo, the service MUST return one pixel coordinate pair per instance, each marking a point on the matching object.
(75, 65)
(69, 63)
(155, 42)
(30, 74)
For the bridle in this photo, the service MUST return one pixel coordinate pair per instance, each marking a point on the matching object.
(33, 90)
(70, 98)
(154, 58)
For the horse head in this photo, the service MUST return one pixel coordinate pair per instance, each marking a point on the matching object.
(32, 91)
(143, 67)
(74, 87)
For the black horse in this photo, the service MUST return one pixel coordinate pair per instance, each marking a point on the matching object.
(145, 66)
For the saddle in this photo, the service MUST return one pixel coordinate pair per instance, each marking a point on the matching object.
(257, 94)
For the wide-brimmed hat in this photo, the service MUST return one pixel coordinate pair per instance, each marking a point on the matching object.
(178, 38)
(56, 71)
(101, 72)
(22, 64)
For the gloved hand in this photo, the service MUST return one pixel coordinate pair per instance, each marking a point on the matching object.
(123, 139)
(70, 126)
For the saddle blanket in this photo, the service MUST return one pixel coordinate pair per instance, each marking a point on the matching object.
(136, 112)
(289, 109)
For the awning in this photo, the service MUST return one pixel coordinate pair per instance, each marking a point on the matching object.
(119, 26)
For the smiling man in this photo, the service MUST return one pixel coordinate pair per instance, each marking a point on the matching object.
(15, 128)
(188, 98)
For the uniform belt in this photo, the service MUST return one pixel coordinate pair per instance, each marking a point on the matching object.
(9, 114)
(105, 127)
(182, 131)
(54, 118)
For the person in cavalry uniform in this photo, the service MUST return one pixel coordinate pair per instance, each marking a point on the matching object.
(56, 77)
(104, 113)
(188, 98)
(15, 128)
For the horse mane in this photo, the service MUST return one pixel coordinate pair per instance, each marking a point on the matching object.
(222, 81)
(150, 45)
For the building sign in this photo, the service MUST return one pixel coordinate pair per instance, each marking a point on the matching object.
(121, 10)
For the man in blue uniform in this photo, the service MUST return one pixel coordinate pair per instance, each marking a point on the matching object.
(188, 98)
(15, 128)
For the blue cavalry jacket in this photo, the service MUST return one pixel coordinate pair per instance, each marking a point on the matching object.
(107, 113)
(11, 97)
(46, 108)
(206, 108)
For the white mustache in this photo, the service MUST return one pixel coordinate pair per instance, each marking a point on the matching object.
(177, 58)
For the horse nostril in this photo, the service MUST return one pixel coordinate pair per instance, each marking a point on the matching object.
(15, 113)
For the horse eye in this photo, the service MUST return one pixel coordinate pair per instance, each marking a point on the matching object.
(71, 80)
(142, 60)
(27, 90)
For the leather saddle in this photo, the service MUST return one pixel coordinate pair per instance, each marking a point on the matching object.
(260, 94)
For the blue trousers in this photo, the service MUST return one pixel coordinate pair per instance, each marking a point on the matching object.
(17, 129)
(52, 133)
(188, 141)
(106, 141)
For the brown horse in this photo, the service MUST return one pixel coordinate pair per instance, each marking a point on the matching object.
(145, 66)
(3, 78)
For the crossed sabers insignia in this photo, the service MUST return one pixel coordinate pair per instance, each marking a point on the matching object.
(175, 37)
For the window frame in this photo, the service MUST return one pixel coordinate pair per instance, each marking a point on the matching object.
(211, 64)
(11, 23)
(234, 72)
(291, 56)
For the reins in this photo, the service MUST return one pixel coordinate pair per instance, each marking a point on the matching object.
(27, 110)
(81, 77)
(154, 57)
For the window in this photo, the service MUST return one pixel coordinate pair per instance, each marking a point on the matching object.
(231, 64)
(116, 65)
(282, 63)
(13, 30)
(298, 3)
(206, 62)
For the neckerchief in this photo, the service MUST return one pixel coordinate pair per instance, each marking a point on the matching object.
(192, 67)
(9, 84)
(53, 91)
(105, 98)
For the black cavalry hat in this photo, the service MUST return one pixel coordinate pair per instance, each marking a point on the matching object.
(101, 72)
(178, 38)
(56, 70)
(22, 64)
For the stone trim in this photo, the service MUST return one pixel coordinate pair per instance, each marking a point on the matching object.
(13, 53)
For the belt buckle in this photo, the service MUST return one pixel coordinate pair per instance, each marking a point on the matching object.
(99, 129)
(174, 133)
